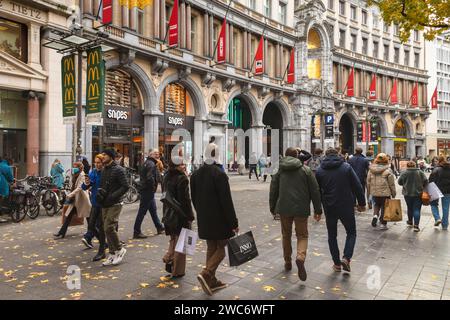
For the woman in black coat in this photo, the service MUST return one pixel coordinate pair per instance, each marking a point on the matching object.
(176, 183)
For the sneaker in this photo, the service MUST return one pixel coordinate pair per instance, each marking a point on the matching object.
(409, 224)
(416, 229)
(301, 269)
(383, 227)
(87, 243)
(374, 221)
(288, 266)
(139, 236)
(205, 282)
(346, 265)
(109, 261)
(438, 223)
(99, 256)
(218, 285)
(337, 268)
(119, 256)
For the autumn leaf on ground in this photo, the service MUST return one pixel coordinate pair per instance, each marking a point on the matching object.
(196, 288)
(269, 288)
(161, 285)
(144, 285)
(76, 294)
(129, 295)
(164, 278)
(44, 281)
(256, 279)
(175, 286)
(336, 289)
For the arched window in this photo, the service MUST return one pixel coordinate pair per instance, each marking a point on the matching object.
(314, 55)
(314, 40)
(400, 129)
(121, 91)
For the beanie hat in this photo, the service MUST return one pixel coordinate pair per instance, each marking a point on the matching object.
(110, 152)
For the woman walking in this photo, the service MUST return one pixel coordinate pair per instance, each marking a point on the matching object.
(176, 183)
(57, 174)
(441, 176)
(95, 221)
(77, 200)
(413, 181)
(380, 186)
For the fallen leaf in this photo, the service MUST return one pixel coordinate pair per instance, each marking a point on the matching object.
(175, 286)
(144, 285)
(269, 288)
(129, 295)
(257, 279)
(161, 285)
(44, 281)
(196, 288)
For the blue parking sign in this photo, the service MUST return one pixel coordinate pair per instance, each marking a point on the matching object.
(329, 119)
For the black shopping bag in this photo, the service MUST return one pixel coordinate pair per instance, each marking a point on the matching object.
(242, 249)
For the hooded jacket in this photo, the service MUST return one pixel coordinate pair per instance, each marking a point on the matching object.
(361, 165)
(293, 188)
(381, 181)
(339, 186)
(413, 181)
(441, 176)
(6, 177)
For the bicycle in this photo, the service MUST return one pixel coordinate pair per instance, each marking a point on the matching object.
(132, 194)
(14, 204)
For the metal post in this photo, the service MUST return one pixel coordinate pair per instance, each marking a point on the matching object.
(367, 122)
(77, 139)
(322, 117)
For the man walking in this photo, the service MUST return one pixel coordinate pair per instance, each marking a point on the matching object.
(113, 186)
(149, 179)
(339, 187)
(360, 165)
(216, 218)
(292, 189)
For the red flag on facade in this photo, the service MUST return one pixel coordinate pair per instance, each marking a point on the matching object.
(107, 12)
(415, 96)
(393, 96)
(173, 26)
(259, 58)
(222, 43)
(373, 88)
(291, 71)
(434, 99)
(350, 84)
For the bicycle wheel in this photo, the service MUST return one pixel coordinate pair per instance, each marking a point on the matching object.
(131, 196)
(32, 206)
(18, 212)
(50, 202)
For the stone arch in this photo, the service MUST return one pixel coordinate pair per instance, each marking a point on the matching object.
(198, 100)
(351, 113)
(409, 125)
(383, 125)
(143, 81)
(283, 107)
(325, 42)
(252, 103)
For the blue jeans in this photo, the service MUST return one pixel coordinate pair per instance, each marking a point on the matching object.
(414, 205)
(348, 220)
(147, 203)
(445, 209)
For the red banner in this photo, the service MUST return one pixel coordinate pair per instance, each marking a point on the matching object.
(173, 26)
(259, 58)
(434, 99)
(393, 95)
(415, 96)
(291, 71)
(350, 84)
(107, 12)
(222, 43)
(373, 88)
(364, 131)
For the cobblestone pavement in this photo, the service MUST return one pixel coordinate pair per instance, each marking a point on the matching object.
(392, 264)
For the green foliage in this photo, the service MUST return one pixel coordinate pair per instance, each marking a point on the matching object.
(431, 16)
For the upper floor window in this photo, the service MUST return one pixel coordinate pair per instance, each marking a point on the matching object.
(140, 21)
(416, 60)
(282, 12)
(342, 7)
(386, 52)
(406, 62)
(375, 49)
(353, 14)
(416, 35)
(14, 39)
(331, 4)
(395, 29)
(342, 38)
(268, 8)
(252, 4)
(353, 42)
(364, 45)
(364, 17)
(396, 55)
(375, 19)
(194, 40)
(386, 27)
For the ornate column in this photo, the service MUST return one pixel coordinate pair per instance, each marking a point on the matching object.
(156, 21)
(183, 24)
(162, 19)
(188, 26)
(33, 133)
(244, 62)
(206, 34)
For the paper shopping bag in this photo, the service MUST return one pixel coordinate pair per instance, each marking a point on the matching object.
(242, 249)
(393, 210)
(186, 242)
(434, 192)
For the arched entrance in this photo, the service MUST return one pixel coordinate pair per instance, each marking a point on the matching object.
(272, 119)
(240, 117)
(123, 127)
(401, 139)
(346, 138)
(178, 112)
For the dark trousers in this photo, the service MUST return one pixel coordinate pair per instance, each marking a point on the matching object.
(378, 209)
(66, 223)
(147, 203)
(95, 227)
(348, 220)
(253, 169)
(414, 205)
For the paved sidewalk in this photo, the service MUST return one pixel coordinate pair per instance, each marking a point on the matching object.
(409, 265)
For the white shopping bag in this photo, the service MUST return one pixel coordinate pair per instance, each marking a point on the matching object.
(434, 192)
(187, 242)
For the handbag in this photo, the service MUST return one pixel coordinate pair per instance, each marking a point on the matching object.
(425, 198)
(242, 249)
(76, 221)
(172, 210)
(393, 210)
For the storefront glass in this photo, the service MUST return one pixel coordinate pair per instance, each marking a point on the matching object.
(13, 39)
(400, 142)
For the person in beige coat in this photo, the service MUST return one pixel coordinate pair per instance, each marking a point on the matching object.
(77, 202)
(381, 186)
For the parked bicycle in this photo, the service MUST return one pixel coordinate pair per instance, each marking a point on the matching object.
(14, 204)
(132, 194)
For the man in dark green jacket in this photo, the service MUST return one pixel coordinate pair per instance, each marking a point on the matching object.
(292, 189)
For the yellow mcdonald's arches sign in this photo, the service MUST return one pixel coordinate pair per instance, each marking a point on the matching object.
(68, 82)
(93, 91)
(93, 57)
(95, 81)
(69, 64)
(69, 79)
(93, 74)
(69, 95)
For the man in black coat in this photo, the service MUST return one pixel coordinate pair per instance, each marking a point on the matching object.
(113, 186)
(149, 179)
(360, 165)
(216, 217)
(340, 187)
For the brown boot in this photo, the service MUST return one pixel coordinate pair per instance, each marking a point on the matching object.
(205, 280)
(288, 266)
(217, 285)
(301, 269)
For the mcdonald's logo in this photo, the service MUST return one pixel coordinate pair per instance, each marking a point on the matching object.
(93, 91)
(69, 79)
(68, 64)
(93, 57)
(93, 74)
(69, 95)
